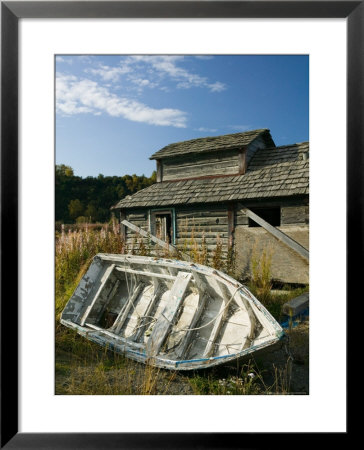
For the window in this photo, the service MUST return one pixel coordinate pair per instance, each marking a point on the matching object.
(162, 225)
(271, 215)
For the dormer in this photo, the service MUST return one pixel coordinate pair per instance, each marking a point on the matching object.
(211, 156)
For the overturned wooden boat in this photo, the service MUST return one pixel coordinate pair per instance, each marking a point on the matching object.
(170, 313)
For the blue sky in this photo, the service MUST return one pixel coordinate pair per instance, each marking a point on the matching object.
(113, 111)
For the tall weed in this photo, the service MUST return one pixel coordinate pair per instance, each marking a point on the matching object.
(261, 279)
(74, 251)
(217, 258)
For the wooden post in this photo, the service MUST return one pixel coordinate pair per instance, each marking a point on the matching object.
(242, 161)
(292, 244)
(231, 220)
(122, 227)
(159, 171)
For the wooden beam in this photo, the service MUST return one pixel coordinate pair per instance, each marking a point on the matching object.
(147, 274)
(203, 297)
(215, 330)
(149, 235)
(159, 171)
(153, 238)
(123, 314)
(169, 313)
(104, 279)
(112, 335)
(231, 222)
(109, 297)
(227, 297)
(122, 227)
(158, 292)
(292, 244)
(242, 161)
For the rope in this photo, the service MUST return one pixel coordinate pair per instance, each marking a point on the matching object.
(145, 324)
(220, 344)
(211, 321)
(126, 278)
(127, 286)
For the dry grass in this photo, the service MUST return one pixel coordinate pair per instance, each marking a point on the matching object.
(261, 279)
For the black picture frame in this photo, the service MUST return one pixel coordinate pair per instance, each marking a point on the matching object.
(11, 12)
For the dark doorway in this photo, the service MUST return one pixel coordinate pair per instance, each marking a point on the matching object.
(162, 225)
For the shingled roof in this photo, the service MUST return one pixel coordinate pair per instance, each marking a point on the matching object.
(272, 172)
(215, 143)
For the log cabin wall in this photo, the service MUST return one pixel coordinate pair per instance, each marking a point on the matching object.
(209, 164)
(196, 224)
(140, 219)
(194, 166)
(295, 214)
(192, 225)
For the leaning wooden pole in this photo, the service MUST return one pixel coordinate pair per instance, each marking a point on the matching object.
(163, 244)
(292, 244)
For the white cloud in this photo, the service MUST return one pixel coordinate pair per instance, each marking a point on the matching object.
(74, 96)
(217, 87)
(141, 83)
(86, 59)
(61, 59)
(108, 73)
(167, 65)
(150, 71)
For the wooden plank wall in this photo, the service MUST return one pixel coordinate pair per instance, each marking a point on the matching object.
(241, 219)
(191, 166)
(295, 215)
(191, 226)
(212, 221)
(194, 224)
(140, 219)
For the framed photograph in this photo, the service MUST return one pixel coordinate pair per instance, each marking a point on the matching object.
(33, 33)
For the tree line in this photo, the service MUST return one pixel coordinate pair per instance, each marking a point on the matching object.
(89, 199)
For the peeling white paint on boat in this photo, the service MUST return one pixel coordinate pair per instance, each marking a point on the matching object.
(172, 314)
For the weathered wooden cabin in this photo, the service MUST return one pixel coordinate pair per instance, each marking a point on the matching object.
(225, 188)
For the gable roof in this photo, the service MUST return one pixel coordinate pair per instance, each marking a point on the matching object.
(272, 172)
(215, 143)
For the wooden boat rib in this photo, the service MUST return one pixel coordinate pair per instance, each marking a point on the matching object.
(170, 313)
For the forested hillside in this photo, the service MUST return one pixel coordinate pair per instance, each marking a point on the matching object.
(89, 199)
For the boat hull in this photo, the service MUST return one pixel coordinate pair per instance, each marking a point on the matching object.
(168, 313)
